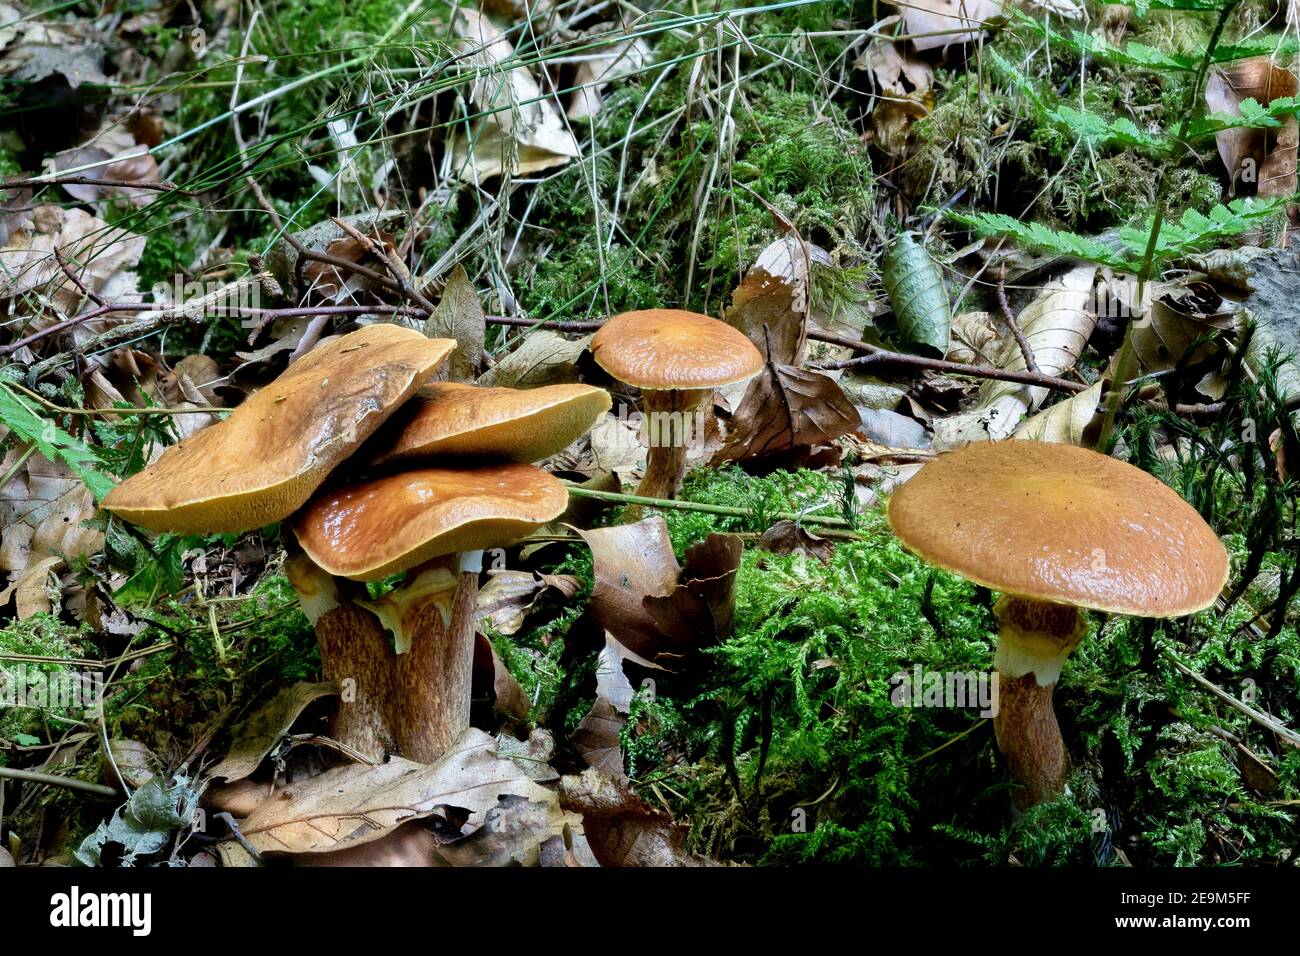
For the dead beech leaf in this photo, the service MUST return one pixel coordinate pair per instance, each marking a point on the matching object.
(1074, 421)
(459, 316)
(41, 513)
(131, 162)
(938, 23)
(597, 739)
(542, 358)
(786, 408)
(491, 674)
(1266, 157)
(100, 255)
(259, 733)
(33, 49)
(786, 537)
(355, 804)
(771, 304)
(31, 591)
(513, 834)
(603, 67)
(896, 70)
(622, 829)
(1057, 325)
(506, 598)
(638, 599)
(1180, 323)
(522, 132)
(629, 562)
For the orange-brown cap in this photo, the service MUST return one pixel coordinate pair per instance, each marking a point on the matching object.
(1060, 523)
(374, 528)
(449, 418)
(260, 464)
(661, 349)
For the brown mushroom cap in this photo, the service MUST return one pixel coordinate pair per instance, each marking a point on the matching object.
(374, 528)
(260, 464)
(661, 349)
(448, 418)
(1060, 523)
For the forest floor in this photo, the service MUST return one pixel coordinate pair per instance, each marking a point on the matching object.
(936, 231)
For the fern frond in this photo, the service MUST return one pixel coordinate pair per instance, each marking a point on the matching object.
(1195, 232)
(1038, 236)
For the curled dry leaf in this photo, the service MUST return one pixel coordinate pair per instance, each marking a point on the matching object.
(1180, 324)
(1057, 325)
(35, 47)
(771, 304)
(354, 804)
(263, 730)
(35, 590)
(623, 830)
(492, 679)
(602, 67)
(1074, 421)
(597, 739)
(786, 408)
(459, 316)
(522, 132)
(938, 23)
(637, 596)
(506, 598)
(786, 537)
(128, 162)
(1263, 157)
(896, 70)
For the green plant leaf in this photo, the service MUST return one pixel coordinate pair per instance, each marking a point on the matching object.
(917, 295)
(51, 441)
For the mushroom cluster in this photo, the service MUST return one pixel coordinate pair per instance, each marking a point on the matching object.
(1056, 529)
(378, 471)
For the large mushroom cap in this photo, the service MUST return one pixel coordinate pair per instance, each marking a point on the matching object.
(374, 528)
(260, 464)
(669, 349)
(448, 418)
(1060, 523)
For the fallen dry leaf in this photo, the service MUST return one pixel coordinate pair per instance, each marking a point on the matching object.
(1075, 420)
(1057, 325)
(492, 676)
(623, 830)
(1265, 157)
(522, 133)
(542, 358)
(786, 537)
(459, 316)
(771, 304)
(938, 23)
(263, 730)
(786, 408)
(41, 513)
(597, 739)
(355, 804)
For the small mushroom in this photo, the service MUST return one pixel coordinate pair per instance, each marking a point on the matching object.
(1055, 529)
(676, 359)
(433, 523)
(449, 418)
(268, 457)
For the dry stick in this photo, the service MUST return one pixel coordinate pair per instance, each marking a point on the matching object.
(394, 267)
(1260, 718)
(164, 187)
(1009, 318)
(54, 780)
(619, 498)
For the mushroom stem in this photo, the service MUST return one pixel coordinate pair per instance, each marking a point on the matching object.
(1034, 639)
(669, 430)
(355, 654)
(433, 679)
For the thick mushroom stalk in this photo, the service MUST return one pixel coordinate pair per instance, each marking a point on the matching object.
(669, 431)
(433, 618)
(1034, 639)
(355, 654)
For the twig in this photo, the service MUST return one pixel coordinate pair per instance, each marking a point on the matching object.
(54, 780)
(673, 504)
(879, 356)
(1260, 718)
(163, 187)
(1009, 318)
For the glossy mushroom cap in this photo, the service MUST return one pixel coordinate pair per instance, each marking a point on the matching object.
(660, 349)
(448, 418)
(374, 528)
(260, 464)
(1058, 523)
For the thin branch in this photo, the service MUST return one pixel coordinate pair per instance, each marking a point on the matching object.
(54, 780)
(1008, 317)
